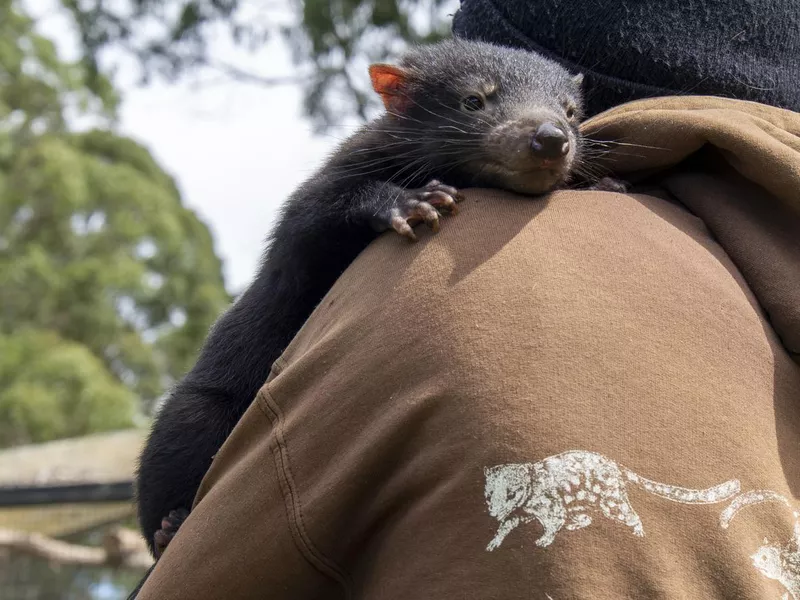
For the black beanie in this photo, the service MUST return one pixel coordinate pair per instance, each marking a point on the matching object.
(629, 49)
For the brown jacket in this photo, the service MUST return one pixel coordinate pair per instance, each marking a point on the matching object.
(586, 396)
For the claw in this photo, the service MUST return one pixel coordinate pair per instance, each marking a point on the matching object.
(428, 214)
(442, 199)
(401, 226)
(425, 205)
(169, 527)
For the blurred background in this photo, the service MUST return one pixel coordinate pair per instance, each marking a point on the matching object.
(145, 147)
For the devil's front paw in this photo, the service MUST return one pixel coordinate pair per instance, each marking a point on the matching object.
(423, 205)
(169, 527)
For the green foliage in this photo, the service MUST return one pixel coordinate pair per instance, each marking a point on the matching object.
(340, 38)
(35, 85)
(98, 247)
(331, 41)
(51, 388)
(166, 37)
(108, 284)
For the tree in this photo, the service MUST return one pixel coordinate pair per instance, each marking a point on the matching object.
(331, 41)
(100, 263)
(52, 388)
(339, 39)
(108, 284)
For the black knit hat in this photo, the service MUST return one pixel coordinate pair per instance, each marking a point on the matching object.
(628, 49)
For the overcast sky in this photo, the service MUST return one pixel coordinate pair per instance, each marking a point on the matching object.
(236, 150)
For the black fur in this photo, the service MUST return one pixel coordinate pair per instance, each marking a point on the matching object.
(328, 221)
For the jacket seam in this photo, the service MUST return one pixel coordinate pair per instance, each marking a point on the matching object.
(294, 511)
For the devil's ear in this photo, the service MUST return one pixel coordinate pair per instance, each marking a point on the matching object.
(390, 82)
(578, 79)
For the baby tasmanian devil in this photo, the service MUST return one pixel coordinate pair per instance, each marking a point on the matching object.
(458, 114)
(470, 114)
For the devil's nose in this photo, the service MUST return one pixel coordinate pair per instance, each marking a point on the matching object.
(549, 141)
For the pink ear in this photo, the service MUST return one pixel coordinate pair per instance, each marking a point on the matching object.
(389, 82)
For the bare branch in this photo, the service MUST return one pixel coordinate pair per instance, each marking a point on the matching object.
(122, 548)
(239, 74)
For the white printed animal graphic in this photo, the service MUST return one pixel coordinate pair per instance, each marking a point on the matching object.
(781, 563)
(560, 491)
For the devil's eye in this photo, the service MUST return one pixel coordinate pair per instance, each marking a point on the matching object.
(472, 103)
(570, 112)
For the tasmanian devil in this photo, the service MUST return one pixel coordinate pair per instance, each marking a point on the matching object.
(458, 114)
